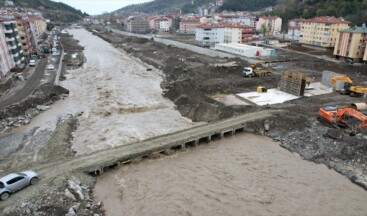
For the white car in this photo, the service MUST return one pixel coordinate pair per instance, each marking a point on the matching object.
(32, 63)
(50, 67)
(16, 181)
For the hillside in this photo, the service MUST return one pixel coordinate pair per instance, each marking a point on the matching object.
(164, 6)
(246, 5)
(354, 11)
(55, 11)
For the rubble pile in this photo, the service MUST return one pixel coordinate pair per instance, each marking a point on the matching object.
(70, 199)
(22, 113)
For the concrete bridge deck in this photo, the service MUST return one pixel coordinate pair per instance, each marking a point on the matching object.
(97, 162)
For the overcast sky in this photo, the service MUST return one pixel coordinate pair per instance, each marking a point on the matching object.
(95, 7)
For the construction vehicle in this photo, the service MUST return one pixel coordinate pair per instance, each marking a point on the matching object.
(256, 70)
(349, 88)
(343, 118)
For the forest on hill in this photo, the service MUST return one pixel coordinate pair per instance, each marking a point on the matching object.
(354, 11)
(55, 11)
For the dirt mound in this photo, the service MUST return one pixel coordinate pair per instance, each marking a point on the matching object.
(21, 113)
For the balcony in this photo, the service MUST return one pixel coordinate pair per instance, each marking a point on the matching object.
(20, 51)
(8, 31)
(12, 47)
(247, 31)
(15, 55)
(364, 38)
(9, 22)
(10, 39)
(247, 35)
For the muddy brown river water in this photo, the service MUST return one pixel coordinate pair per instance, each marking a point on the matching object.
(242, 175)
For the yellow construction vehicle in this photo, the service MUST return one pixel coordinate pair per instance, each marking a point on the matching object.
(349, 87)
(256, 70)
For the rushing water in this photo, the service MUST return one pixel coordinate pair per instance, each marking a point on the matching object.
(243, 175)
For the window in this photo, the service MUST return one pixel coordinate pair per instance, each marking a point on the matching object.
(14, 180)
(2, 185)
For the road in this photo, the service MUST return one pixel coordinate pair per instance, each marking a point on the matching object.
(50, 171)
(30, 84)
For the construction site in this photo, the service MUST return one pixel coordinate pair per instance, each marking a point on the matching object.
(134, 110)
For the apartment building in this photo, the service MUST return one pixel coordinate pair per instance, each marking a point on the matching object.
(10, 52)
(188, 26)
(294, 29)
(322, 31)
(351, 44)
(237, 33)
(209, 35)
(273, 24)
(137, 25)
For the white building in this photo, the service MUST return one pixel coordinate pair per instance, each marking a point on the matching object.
(272, 24)
(245, 50)
(208, 35)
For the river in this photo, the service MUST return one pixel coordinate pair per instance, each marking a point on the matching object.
(242, 175)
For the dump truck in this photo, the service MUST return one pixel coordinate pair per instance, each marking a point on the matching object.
(256, 70)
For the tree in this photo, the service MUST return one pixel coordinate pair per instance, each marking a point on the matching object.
(264, 29)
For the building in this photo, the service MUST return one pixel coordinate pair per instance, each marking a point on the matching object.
(188, 26)
(137, 25)
(163, 25)
(10, 52)
(322, 31)
(237, 33)
(272, 24)
(245, 50)
(351, 44)
(209, 35)
(294, 29)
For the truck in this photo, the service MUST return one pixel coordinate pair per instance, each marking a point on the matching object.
(256, 70)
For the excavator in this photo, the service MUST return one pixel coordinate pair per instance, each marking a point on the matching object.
(349, 87)
(343, 118)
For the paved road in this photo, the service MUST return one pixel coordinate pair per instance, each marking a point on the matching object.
(49, 171)
(30, 84)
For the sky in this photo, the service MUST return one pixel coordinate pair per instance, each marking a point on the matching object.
(95, 7)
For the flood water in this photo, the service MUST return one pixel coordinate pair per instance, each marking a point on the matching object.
(242, 175)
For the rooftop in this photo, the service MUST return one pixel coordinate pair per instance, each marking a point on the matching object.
(355, 30)
(326, 19)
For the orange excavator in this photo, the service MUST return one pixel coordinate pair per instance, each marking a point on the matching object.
(343, 118)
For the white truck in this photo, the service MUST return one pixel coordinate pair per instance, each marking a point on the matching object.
(258, 72)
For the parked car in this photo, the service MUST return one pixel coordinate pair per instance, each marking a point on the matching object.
(16, 181)
(32, 63)
(50, 67)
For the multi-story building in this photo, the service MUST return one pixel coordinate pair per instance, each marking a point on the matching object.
(6, 61)
(188, 26)
(351, 44)
(27, 40)
(272, 24)
(237, 33)
(11, 52)
(322, 31)
(209, 35)
(137, 25)
(294, 29)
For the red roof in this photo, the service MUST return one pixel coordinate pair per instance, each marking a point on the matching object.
(236, 25)
(326, 19)
(207, 26)
(190, 20)
(269, 17)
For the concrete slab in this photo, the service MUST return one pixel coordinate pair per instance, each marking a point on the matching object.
(230, 100)
(275, 96)
(272, 96)
(317, 88)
